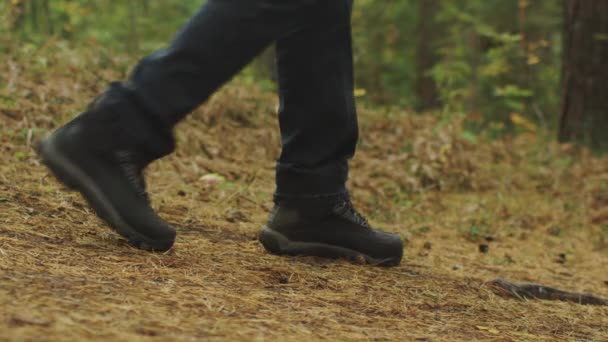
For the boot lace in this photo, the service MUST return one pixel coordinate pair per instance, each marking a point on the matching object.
(348, 211)
(133, 172)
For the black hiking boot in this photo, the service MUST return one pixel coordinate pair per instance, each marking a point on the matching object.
(329, 231)
(83, 156)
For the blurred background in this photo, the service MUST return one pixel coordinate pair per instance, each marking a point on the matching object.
(496, 62)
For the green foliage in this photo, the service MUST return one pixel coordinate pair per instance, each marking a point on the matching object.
(498, 59)
(384, 49)
(117, 24)
(476, 232)
(495, 57)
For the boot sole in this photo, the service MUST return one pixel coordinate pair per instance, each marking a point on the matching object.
(72, 176)
(277, 243)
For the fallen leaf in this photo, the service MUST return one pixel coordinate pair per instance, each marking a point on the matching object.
(490, 330)
(360, 92)
(212, 178)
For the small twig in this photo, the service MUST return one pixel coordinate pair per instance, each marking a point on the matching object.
(525, 291)
(540, 115)
(249, 199)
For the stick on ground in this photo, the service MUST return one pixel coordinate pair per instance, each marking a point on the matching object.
(524, 291)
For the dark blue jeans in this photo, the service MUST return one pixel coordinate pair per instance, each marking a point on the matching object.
(314, 57)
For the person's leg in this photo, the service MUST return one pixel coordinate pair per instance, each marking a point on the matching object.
(211, 48)
(313, 213)
(103, 151)
(317, 109)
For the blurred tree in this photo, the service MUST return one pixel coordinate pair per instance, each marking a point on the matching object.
(488, 59)
(499, 59)
(585, 69)
(16, 14)
(384, 50)
(428, 31)
(48, 18)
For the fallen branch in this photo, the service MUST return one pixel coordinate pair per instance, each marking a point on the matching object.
(525, 291)
(11, 114)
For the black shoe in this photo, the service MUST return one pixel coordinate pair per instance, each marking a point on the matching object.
(111, 180)
(336, 231)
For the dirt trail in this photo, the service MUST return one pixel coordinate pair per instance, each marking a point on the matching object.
(63, 275)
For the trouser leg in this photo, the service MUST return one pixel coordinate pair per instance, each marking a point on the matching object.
(317, 111)
(212, 47)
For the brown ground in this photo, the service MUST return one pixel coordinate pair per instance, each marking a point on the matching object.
(64, 275)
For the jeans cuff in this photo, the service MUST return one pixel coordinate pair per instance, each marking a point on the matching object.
(297, 184)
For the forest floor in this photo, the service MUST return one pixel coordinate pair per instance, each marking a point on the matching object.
(541, 208)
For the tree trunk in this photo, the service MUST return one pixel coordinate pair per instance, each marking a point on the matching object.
(584, 113)
(525, 73)
(17, 15)
(426, 55)
(33, 9)
(46, 7)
